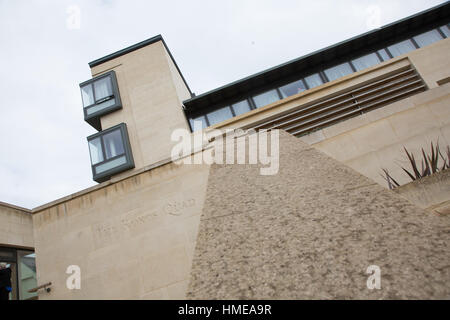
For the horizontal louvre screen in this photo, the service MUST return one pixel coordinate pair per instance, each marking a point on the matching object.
(348, 103)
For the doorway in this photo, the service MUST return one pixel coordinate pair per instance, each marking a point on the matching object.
(23, 272)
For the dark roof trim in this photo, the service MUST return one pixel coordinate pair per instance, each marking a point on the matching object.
(135, 47)
(221, 93)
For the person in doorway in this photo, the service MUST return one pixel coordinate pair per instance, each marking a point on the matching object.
(5, 281)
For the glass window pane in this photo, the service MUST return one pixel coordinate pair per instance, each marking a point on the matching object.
(384, 55)
(292, 88)
(445, 30)
(95, 149)
(266, 98)
(113, 144)
(338, 71)
(401, 48)
(100, 106)
(27, 274)
(103, 88)
(219, 115)
(313, 80)
(366, 61)
(87, 95)
(241, 107)
(427, 38)
(110, 164)
(198, 123)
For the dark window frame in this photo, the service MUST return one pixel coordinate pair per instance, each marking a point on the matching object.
(319, 69)
(129, 164)
(94, 118)
(14, 259)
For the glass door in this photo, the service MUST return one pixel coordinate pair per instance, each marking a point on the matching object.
(26, 277)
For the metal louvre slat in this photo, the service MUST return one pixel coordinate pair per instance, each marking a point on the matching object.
(347, 115)
(307, 115)
(336, 97)
(347, 104)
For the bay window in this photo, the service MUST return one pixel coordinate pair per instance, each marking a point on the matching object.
(100, 96)
(110, 152)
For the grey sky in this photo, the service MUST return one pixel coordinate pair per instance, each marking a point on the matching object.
(44, 153)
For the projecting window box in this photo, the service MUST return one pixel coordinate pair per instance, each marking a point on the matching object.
(100, 96)
(110, 152)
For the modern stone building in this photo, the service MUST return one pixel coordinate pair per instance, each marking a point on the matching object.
(157, 229)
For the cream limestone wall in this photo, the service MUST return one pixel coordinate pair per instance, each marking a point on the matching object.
(151, 90)
(375, 140)
(132, 239)
(432, 62)
(16, 226)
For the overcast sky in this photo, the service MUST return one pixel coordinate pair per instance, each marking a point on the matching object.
(45, 53)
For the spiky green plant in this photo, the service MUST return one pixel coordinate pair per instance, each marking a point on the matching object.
(429, 165)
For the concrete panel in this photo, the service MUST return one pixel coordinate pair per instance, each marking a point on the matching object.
(133, 238)
(16, 226)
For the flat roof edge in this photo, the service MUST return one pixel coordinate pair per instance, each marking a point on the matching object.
(12, 206)
(311, 54)
(138, 46)
(126, 50)
(99, 186)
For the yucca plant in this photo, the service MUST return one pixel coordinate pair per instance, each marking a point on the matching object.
(429, 165)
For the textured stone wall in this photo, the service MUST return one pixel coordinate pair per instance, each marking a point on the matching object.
(311, 232)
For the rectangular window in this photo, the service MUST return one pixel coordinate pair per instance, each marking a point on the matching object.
(292, 88)
(100, 96)
(113, 144)
(103, 89)
(110, 152)
(27, 274)
(366, 61)
(87, 95)
(266, 98)
(219, 115)
(338, 71)
(194, 123)
(241, 107)
(401, 48)
(96, 151)
(445, 30)
(427, 38)
(384, 55)
(313, 80)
